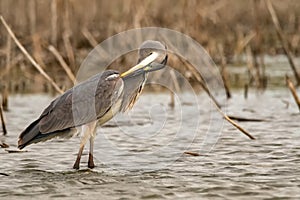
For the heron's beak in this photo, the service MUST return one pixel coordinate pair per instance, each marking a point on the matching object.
(154, 66)
(144, 63)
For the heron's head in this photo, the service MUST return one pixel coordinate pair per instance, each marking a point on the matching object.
(152, 56)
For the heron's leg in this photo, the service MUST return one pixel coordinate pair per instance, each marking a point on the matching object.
(91, 164)
(85, 137)
(91, 157)
(77, 162)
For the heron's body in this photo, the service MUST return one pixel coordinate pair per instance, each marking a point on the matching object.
(94, 101)
(57, 120)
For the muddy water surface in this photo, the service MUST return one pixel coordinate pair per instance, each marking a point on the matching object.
(141, 156)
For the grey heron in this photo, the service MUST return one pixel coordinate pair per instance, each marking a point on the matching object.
(110, 92)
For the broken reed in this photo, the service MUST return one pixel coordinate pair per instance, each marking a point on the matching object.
(283, 40)
(2, 121)
(293, 91)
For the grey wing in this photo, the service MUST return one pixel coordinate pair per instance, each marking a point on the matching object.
(82, 104)
(58, 115)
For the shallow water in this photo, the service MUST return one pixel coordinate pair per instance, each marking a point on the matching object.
(141, 156)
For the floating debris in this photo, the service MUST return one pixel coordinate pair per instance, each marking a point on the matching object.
(15, 151)
(191, 153)
(243, 119)
(3, 174)
(4, 145)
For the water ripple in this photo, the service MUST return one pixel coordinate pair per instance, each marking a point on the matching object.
(236, 168)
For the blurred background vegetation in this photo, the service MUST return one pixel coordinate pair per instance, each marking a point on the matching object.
(223, 27)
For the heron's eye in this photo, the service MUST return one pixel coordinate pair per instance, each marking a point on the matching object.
(149, 54)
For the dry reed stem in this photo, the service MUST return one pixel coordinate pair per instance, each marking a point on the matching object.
(5, 95)
(293, 91)
(224, 73)
(35, 64)
(258, 76)
(32, 16)
(37, 51)
(264, 79)
(66, 17)
(200, 79)
(54, 22)
(8, 53)
(93, 42)
(176, 88)
(234, 123)
(219, 108)
(283, 41)
(87, 34)
(244, 42)
(3, 121)
(250, 66)
(175, 81)
(196, 74)
(257, 17)
(69, 49)
(172, 101)
(62, 62)
(246, 91)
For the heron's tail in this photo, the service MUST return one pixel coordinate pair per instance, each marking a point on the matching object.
(28, 134)
(32, 134)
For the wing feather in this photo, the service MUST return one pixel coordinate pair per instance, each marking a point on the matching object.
(82, 104)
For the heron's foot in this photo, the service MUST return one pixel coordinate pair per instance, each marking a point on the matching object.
(76, 164)
(91, 164)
